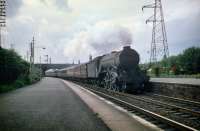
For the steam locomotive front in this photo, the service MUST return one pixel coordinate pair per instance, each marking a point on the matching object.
(120, 70)
(128, 58)
(130, 76)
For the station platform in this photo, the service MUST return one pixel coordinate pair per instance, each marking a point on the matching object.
(185, 88)
(188, 81)
(115, 117)
(57, 105)
(48, 105)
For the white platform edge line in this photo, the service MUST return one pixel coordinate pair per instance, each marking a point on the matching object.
(137, 118)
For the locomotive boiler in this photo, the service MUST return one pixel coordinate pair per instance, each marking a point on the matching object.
(117, 71)
(120, 71)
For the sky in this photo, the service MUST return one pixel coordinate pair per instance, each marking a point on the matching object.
(71, 30)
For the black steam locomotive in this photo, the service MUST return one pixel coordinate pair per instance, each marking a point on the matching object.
(117, 71)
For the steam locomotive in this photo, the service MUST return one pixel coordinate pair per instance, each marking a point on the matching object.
(117, 71)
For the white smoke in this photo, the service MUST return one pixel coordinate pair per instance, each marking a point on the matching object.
(97, 40)
(59, 4)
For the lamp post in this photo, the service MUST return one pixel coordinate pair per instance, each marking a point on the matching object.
(40, 60)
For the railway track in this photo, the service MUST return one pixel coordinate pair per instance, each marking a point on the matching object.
(192, 105)
(165, 115)
(176, 105)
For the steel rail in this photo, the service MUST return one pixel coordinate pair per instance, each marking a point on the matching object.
(160, 103)
(178, 99)
(150, 114)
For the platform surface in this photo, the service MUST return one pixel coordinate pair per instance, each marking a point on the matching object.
(190, 81)
(47, 106)
(114, 116)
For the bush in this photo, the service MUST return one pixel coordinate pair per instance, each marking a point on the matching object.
(197, 75)
(12, 66)
(14, 71)
(35, 74)
(20, 82)
(156, 71)
(5, 88)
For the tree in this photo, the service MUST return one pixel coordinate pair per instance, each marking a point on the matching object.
(12, 66)
(190, 60)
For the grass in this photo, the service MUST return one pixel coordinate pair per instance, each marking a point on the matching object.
(20, 82)
(6, 88)
(15, 85)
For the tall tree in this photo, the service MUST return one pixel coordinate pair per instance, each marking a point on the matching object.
(190, 60)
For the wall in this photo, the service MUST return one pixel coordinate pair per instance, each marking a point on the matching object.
(177, 90)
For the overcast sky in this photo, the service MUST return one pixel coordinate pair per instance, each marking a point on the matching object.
(73, 29)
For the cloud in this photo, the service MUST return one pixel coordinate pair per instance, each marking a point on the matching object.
(44, 1)
(59, 4)
(185, 34)
(13, 7)
(62, 4)
(99, 39)
(77, 28)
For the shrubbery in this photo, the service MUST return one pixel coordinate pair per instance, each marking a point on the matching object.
(12, 66)
(186, 63)
(14, 71)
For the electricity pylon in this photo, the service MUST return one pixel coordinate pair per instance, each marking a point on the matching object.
(159, 45)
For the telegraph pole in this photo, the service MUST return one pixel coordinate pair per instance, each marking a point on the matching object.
(2, 18)
(50, 60)
(32, 46)
(159, 44)
(40, 60)
(40, 67)
(33, 50)
(47, 60)
(12, 46)
(27, 56)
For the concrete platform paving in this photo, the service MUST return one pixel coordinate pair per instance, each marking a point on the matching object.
(114, 116)
(189, 81)
(47, 106)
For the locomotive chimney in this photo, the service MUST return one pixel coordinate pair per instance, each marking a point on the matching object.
(126, 47)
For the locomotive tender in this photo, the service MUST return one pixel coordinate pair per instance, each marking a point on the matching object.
(115, 71)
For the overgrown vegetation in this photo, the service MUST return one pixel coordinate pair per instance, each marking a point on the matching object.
(14, 71)
(186, 64)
